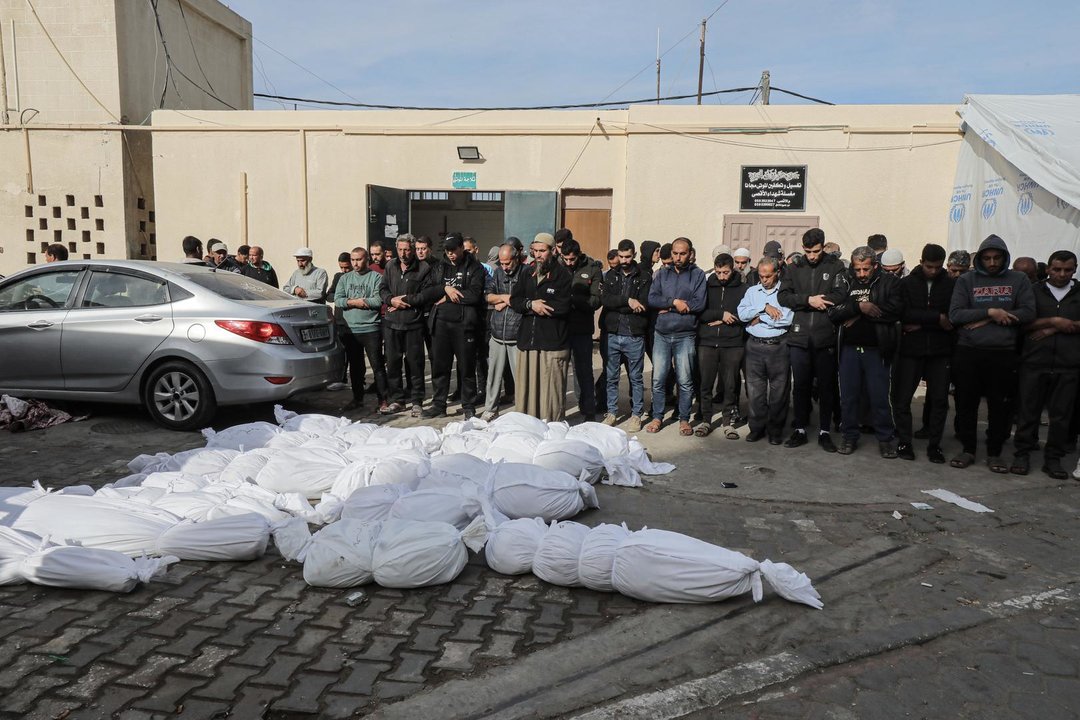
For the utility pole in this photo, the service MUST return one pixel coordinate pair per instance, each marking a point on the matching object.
(763, 86)
(701, 62)
(657, 66)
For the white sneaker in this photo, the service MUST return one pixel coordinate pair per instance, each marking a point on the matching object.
(335, 386)
(489, 415)
(1076, 472)
(609, 419)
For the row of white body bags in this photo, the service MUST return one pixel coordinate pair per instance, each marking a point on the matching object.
(650, 565)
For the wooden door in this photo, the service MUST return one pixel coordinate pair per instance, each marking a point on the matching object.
(592, 230)
(752, 231)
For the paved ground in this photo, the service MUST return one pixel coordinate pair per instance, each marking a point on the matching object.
(941, 613)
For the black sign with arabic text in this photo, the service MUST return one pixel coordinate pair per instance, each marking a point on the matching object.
(775, 188)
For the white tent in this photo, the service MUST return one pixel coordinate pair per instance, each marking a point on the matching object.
(1018, 174)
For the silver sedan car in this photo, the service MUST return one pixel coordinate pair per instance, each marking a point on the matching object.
(179, 339)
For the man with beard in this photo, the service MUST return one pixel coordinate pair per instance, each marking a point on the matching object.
(585, 286)
(626, 301)
(810, 288)
(926, 348)
(720, 343)
(454, 322)
(357, 298)
(504, 323)
(542, 298)
(407, 289)
(678, 295)
(307, 281)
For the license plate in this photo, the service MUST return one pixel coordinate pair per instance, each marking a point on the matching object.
(320, 332)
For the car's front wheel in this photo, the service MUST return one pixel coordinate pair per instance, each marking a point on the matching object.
(179, 397)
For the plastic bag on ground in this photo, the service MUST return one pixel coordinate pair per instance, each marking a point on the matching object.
(556, 560)
(340, 555)
(512, 545)
(519, 490)
(597, 558)
(515, 447)
(372, 503)
(249, 436)
(27, 558)
(574, 457)
(306, 471)
(518, 422)
(313, 423)
(662, 566)
(643, 464)
(410, 554)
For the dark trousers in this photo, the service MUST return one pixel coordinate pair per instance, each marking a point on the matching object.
(482, 338)
(451, 341)
(405, 347)
(721, 364)
(581, 349)
(356, 346)
(864, 373)
(768, 371)
(1054, 390)
(807, 365)
(907, 372)
(979, 373)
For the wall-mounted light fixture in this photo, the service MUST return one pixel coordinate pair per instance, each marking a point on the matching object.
(468, 152)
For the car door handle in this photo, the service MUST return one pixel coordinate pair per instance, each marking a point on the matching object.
(40, 325)
(148, 318)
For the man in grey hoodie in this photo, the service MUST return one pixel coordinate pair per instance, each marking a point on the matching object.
(989, 306)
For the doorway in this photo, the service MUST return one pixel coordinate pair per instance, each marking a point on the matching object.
(587, 213)
(474, 214)
(753, 230)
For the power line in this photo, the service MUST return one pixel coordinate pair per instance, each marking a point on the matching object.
(373, 106)
(171, 65)
(183, 15)
(804, 97)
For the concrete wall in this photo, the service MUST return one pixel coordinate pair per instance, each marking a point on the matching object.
(673, 170)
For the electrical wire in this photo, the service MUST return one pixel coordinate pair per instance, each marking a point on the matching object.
(373, 106)
(798, 95)
(183, 15)
(171, 65)
(63, 59)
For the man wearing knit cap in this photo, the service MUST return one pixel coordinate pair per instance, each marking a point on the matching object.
(542, 298)
(892, 262)
(307, 281)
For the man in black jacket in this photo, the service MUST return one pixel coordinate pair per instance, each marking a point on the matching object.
(586, 280)
(926, 347)
(868, 319)
(408, 288)
(1050, 364)
(542, 298)
(625, 299)
(454, 322)
(720, 343)
(810, 288)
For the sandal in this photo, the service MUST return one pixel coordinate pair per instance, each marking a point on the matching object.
(684, 429)
(997, 465)
(653, 426)
(730, 432)
(702, 429)
(962, 460)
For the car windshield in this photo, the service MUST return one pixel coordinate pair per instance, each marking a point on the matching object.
(237, 287)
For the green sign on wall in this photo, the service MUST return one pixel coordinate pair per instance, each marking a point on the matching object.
(464, 180)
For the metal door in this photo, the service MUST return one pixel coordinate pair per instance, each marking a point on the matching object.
(388, 213)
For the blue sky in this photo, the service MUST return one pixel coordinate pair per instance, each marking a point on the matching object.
(487, 53)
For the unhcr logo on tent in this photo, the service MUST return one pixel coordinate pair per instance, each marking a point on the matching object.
(1034, 127)
(956, 214)
(989, 207)
(1026, 203)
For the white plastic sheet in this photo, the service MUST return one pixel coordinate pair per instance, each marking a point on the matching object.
(574, 457)
(512, 545)
(411, 554)
(556, 559)
(27, 558)
(597, 558)
(340, 555)
(248, 436)
(518, 490)
(309, 472)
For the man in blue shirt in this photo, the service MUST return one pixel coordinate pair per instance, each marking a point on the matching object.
(768, 366)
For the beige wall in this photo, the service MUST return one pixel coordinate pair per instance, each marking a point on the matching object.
(871, 168)
(72, 171)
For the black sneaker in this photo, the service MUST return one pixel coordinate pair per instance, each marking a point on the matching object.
(826, 443)
(934, 455)
(755, 435)
(776, 440)
(468, 413)
(846, 447)
(921, 434)
(433, 412)
(887, 449)
(797, 439)
(905, 451)
(1053, 469)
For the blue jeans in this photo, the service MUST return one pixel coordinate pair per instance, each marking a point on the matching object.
(630, 349)
(683, 350)
(863, 370)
